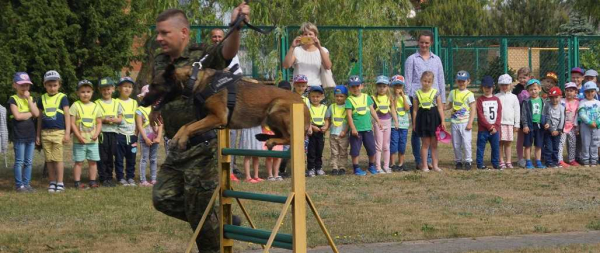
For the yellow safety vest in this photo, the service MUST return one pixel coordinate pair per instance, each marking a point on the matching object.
(400, 106)
(359, 103)
(146, 112)
(108, 110)
(306, 100)
(460, 101)
(52, 104)
(22, 104)
(384, 105)
(426, 98)
(129, 110)
(338, 113)
(318, 115)
(87, 116)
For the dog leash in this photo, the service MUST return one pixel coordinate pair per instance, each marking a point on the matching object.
(197, 66)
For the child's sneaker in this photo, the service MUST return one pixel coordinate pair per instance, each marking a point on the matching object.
(501, 167)
(123, 182)
(52, 188)
(574, 163)
(522, 163)
(359, 172)
(509, 166)
(335, 172)
(231, 176)
(372, 170)
(563, 164)
(482, 167)
(320, 172)
(93, 184)
(341, 172)
(80, 186)
(311, 173)
(467, 166)
(60, 188)
(539, 165)
(146, 184)
(459, 166)
(529, 165)
(131, 182)
(271, 179)
(388, 170)
(278, 178)
(153, 182)
(21, 189)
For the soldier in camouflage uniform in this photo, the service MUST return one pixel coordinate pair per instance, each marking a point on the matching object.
(188, 178)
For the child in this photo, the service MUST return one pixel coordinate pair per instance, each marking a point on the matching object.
(591, 76)
(53, 129)
(23, 110)
(554, 117)
(108, 137)
(126, 136)
(316, 136)
(523, 76)
(271, 163)
(151, 136)
(300, 84)
(489, 115)
(248, 141)
(399, 134)
(427, 119)
(531, 123)
(86, 123)
(548, 81)
(568, 137)
(511, 119)
(589, 116)
(462, 103)
(359, 110)
(384, 109)
(338, 132)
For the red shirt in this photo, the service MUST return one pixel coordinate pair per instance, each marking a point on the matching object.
(489, 113)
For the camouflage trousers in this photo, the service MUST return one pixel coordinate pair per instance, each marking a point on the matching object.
(186, 182)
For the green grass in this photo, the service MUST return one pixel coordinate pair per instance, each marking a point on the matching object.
(383, 208)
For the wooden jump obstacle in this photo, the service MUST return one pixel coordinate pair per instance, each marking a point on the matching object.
(297, 198)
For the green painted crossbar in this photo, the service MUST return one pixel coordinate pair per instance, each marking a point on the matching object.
(258, 233)
(257, 153)
(256, 240)
(255, 196)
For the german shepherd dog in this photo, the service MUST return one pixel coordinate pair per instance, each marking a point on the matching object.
(256, 104)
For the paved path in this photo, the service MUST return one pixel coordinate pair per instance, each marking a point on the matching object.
(466, 244)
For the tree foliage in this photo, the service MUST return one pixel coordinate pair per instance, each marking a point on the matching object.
(531, 17)
(80, 39)
(455, 17)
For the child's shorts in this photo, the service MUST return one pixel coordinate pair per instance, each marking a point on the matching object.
(365, 138)
(88, 152)
(52, 143)
(535, 137)
(398, 141)
(506, 132)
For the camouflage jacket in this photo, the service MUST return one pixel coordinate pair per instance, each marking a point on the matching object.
(180, 111)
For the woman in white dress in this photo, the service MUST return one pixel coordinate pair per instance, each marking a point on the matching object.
(307, 56)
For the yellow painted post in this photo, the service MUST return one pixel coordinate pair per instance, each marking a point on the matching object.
(298, 180)
(225, 207)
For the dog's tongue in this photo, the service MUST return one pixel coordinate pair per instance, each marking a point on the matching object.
(158, 101)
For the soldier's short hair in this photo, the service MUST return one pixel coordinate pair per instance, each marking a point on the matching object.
(173, 13)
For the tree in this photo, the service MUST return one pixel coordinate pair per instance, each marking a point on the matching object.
(80, 39)
(455, 17)
(589, 9)
(531, 17)
(576, 26)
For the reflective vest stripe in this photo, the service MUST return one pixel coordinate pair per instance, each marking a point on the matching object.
(318, 117)
(52, 104)
(460, 102)
(426, 99)
(145, 111)
(383, 104)
(400, 106)
(129, 115)
(360, 109)
(86, 117)
(338, 113)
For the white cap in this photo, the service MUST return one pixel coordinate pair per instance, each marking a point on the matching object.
(505, 79)
(51, 75)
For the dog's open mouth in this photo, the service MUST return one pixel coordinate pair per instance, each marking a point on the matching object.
(158, 101)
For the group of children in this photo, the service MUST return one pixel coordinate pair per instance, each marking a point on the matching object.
(536, 112)
(104, 130)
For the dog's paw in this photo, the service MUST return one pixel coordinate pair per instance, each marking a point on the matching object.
(182, 142)
(269, 144)
(263, 137)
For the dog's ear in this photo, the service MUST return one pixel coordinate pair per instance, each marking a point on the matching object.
(183, 73)
(169, 73)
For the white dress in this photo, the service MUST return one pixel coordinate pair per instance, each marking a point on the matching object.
(308, 64)
(248, 138)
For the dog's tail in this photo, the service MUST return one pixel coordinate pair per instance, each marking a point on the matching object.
(264, 137)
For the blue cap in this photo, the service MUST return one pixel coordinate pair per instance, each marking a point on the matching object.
(397, 80)
(590, 86)
(316, 88)
(340, 89)
(383, 80)
(125, 80)
(21, 78)
(463, 75)
(532, 81)
(354, 81)
(487, 81)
